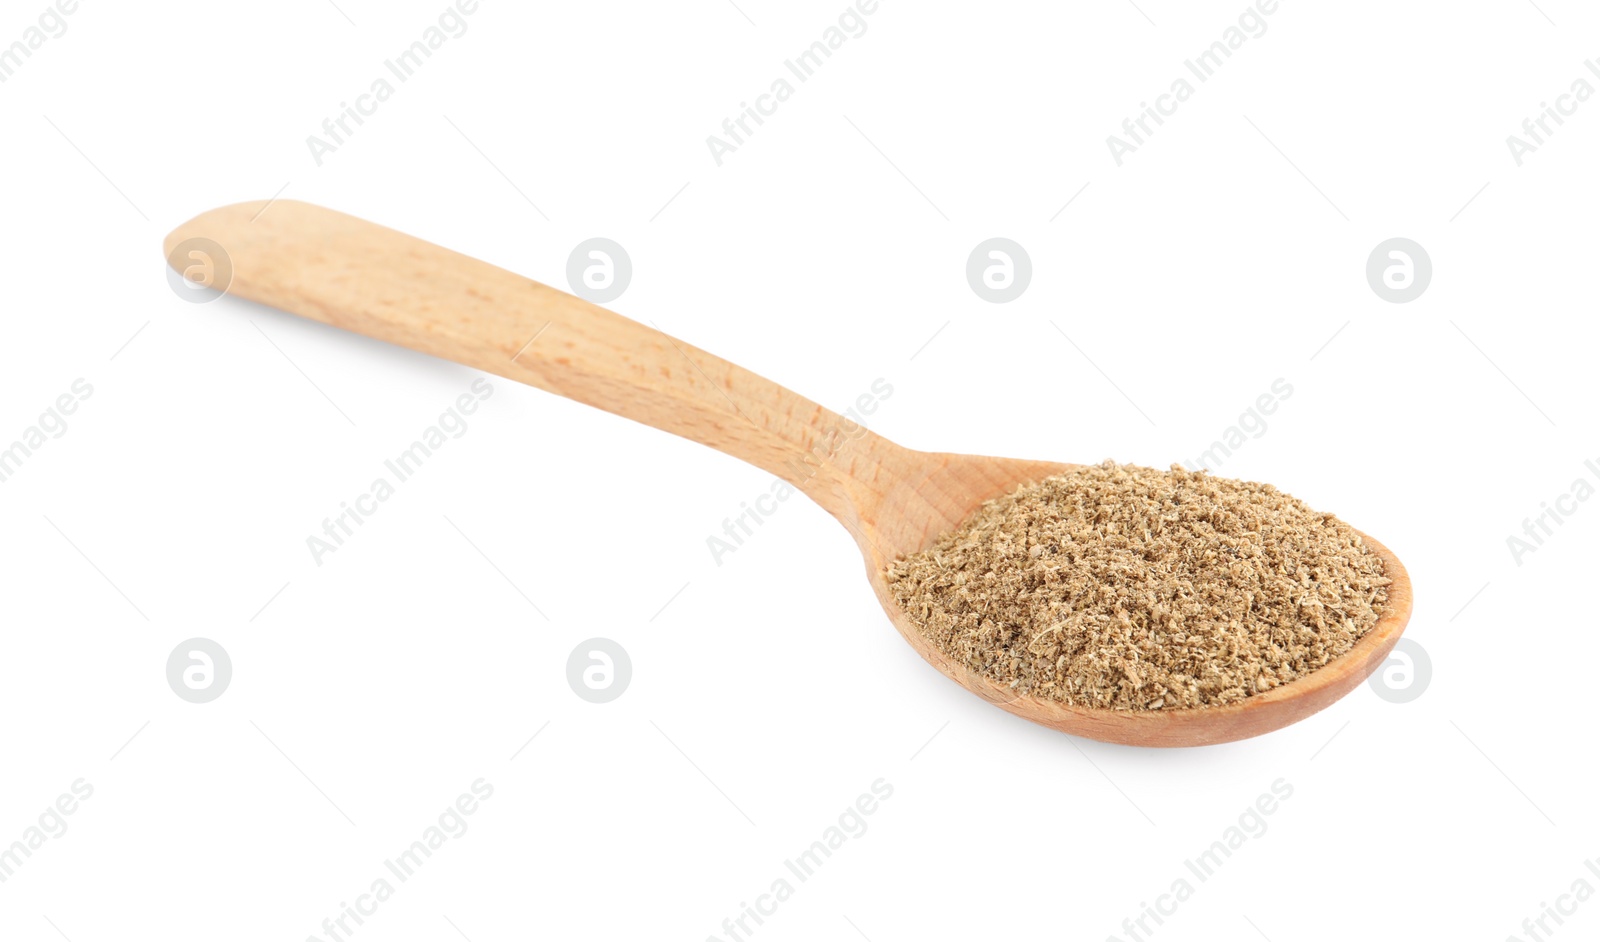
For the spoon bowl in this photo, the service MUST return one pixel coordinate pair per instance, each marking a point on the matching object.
(951, 487)
(362, 277)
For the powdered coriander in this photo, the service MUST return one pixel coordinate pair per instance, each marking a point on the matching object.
(1127, 588)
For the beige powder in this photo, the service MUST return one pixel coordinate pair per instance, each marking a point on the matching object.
(1127, 588)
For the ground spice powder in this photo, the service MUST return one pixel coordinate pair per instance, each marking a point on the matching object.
(1126, 588)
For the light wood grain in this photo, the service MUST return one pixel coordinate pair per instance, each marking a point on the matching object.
(362, 277)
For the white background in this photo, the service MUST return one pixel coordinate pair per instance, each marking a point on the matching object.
(770, 691)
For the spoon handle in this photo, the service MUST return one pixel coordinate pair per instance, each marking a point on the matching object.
(365, 278)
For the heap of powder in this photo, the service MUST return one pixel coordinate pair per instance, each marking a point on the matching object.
(1126, 588)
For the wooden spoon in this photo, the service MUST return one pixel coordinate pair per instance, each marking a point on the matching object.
(362, 277)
